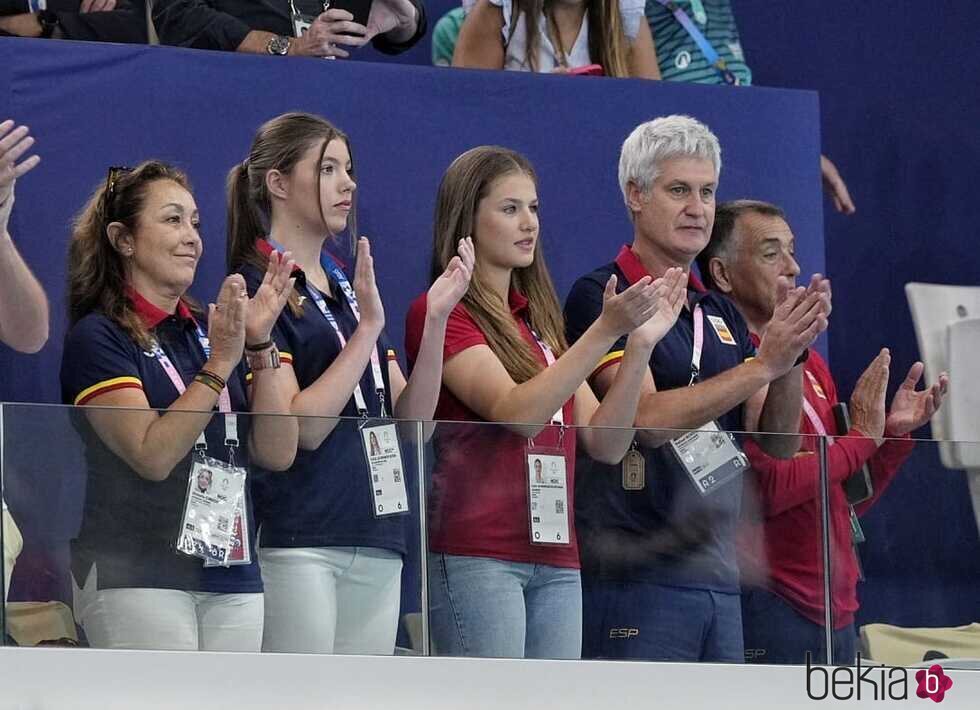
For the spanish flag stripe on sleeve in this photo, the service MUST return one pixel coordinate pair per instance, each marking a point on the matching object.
(116, 383)
(285, 357)
(391, 355)
(610, 359)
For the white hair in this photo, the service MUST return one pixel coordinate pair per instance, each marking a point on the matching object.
(661, 139)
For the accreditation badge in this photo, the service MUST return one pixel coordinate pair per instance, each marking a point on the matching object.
(634, 470)
(547, 496)
(710, 457)
(215, 492)
(240, 552)
(385, 469)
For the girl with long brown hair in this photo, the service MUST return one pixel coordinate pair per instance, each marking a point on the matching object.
(148, 573)
(558, 36)
(504, 571)
(333, 531)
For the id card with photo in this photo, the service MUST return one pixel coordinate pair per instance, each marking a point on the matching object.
(385, 469)
(240, 552)
(547, 496)
(215, 491)
(710, 457)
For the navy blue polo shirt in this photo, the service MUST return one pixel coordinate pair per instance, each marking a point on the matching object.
(129, 524)
(666, 508)
(325, 499)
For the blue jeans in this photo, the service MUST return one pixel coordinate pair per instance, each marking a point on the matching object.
(642, 620)
(776, 633)
(499, 609)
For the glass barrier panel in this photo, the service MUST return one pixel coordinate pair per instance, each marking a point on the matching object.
(919, 603)
(577, 543)
(227, 546)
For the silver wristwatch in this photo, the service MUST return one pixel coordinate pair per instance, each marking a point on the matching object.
(278, 45)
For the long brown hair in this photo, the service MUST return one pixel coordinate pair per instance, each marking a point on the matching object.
(465, 184)
(96, 270)
(608, 45)
(279, 145)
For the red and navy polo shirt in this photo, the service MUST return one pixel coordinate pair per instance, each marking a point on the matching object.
(130, 524)
(325, 499)
(669, 503)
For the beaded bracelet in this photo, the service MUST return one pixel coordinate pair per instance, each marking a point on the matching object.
(209, 379)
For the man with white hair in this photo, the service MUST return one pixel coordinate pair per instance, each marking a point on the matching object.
(657, 533)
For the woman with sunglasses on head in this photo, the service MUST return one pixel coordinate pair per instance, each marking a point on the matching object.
(504, 570)
(333, 530)
(158, 563)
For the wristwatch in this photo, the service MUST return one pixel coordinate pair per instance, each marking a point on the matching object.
(278, 45)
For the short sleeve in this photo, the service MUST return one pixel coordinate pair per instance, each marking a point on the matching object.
(632, 12)
(582, 307)
(98, 358)
(462, 332)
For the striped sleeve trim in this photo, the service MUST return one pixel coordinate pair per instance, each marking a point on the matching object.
(284, 357)
(116, 383)
(391, 355)
(613, 358)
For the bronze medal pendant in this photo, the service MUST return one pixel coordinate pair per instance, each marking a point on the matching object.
(634, 471)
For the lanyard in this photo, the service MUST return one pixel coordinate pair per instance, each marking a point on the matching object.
(714, 59)
(558, 417)
(224, 399)
(331, 267)
(698, 344)
(815, 421)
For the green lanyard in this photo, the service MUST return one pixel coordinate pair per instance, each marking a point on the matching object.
(697, 8)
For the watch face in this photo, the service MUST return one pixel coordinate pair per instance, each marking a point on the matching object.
(278, 45)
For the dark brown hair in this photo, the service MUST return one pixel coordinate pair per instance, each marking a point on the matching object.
(466, 182)
(96, 270)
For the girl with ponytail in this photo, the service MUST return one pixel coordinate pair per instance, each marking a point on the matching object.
(333, 530)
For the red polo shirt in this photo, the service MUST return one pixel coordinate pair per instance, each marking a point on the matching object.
(478, 505)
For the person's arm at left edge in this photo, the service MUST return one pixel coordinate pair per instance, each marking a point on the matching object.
(23, 305)
(643, 54)
(396, 25)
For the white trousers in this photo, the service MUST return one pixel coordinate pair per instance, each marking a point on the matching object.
(168, 619)
(331, 599)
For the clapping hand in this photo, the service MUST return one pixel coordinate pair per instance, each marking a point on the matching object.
(226, 326)
(366, 288)
(270, 298)
(14, 142)
(912, 408)
(453, 283)
(671, 295)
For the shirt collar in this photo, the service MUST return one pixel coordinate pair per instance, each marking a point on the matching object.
(150, 314)
(633, 269)
(517, 301)
(263, 247)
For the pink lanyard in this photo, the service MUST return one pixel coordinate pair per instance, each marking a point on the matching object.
(549, 357)
(224, 399)
(815, 421)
